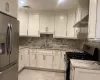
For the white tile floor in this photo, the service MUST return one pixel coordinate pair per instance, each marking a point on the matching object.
(40, 75)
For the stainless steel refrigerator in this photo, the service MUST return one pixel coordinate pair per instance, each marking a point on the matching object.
(9, 47)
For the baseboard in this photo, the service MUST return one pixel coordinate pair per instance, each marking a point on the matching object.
(44, 69)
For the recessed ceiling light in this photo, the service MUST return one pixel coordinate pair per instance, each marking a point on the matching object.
(60, 1)
(22, 2)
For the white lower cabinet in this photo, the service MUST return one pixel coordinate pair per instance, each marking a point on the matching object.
(56, 60)
(62, 62)
(20, 64)
(33, 60)
(86, 74)
(40, 60)
(48, 61)
(26, 57)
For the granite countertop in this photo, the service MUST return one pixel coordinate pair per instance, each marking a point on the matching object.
(85, 64)
(64, 49)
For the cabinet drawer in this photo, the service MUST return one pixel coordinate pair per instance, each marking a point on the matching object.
(56, 52)
(32, 50)
(44, 51)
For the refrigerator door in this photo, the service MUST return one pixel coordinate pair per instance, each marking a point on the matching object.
(14, 43)
(10, 74)
(4, 27)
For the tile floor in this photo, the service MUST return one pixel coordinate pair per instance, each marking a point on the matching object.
(40, 75)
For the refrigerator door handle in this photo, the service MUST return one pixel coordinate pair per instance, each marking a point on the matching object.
(7, 39)
(10, 38)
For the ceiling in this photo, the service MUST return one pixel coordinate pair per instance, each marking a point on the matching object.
(48, 4)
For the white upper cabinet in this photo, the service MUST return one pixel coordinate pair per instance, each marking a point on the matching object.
(13, 8)
(33, 28)
(98, 21)
(50, 24)
(47, 24)
(92, 19)
(70, 24)
(23, 18)
(9, 7)
(42, 24)
(60, 26)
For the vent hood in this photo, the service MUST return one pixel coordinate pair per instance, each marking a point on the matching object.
(83, 22)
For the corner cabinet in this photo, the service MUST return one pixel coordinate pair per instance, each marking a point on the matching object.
(94, 20)
(9, 7)
(33, 27)
(60, 26)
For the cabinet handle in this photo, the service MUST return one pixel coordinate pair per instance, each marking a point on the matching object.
(54, 32)
(43, 57)
(27, 32)
(46, 29)
(35, 56)
(7, 6)
(21, 57)
(53, 58)
(66, 33)
(38, 32)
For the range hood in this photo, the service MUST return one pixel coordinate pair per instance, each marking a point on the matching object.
(83, 22)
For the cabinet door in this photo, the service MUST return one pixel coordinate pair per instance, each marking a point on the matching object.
(92, 19)
(70, 24)
(40, 60)
(33, 28)
(3, 5)
(33, 59)
(43, 24)
(23, 23)
(50, 24)
(86, 74)
(13, 6)
(20, 62)
(26, 58)
(62, 62)
(60, 26)
(98, 21)
(56, 60)
(48, 62)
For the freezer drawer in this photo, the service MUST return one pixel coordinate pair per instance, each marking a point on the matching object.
(10, 74)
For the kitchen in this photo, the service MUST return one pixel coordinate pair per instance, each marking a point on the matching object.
(58, 40)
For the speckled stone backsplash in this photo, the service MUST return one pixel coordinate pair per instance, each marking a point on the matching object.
(47, 41)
